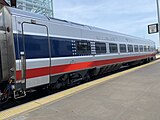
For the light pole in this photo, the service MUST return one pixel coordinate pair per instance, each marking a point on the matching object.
(157, 2)
(52, 8)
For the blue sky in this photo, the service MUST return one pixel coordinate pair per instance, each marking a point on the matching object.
(124, 16)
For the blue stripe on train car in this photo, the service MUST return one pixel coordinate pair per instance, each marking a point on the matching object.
(61, 47)
(16, 46)
(38, 46)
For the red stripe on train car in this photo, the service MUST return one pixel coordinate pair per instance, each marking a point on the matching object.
(32, 73)
(38, 72)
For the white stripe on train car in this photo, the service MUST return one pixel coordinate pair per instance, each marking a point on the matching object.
(44, 62)
(33, 82)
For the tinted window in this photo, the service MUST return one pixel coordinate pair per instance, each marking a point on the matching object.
(141, 48)
(36, 46)
(145, 49)
(113, 48)
(149, 48)
(83, 47)
(100, 48)
(1, 19)
(130, 48)
(136, 48)
(152, 49)
(122, 48)
(61, 47)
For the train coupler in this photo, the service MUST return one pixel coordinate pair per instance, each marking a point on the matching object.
(19, 94)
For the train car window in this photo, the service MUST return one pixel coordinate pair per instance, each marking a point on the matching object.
(61, 47)
(130, 48)
(1, 19)
(83, 48)
(36, 47)
(100, 48)
(149, 48)
(141, 48)
(123, 48)
(145, 49)
(113, 48)
(152, 49)
(136, 48)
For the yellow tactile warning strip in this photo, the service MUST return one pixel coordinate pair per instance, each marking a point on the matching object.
(158, 56)
(28, 107)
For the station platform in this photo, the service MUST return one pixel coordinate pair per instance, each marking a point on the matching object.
(132, 95)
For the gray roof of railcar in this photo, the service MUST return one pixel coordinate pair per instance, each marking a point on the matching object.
(14, 11)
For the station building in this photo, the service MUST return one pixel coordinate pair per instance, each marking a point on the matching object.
(37, 6)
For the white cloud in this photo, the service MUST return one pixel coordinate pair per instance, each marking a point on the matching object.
(126, 16)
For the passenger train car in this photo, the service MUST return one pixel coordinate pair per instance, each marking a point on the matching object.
(38, 51)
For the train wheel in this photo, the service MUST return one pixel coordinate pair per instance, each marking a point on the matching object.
(86, 78)
(61, 82)
(58, 85)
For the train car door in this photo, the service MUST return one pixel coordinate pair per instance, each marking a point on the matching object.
(35, 56)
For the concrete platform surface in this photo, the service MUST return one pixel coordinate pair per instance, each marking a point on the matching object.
(133, 96)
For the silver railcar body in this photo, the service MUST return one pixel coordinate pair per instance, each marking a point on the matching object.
(36, 50)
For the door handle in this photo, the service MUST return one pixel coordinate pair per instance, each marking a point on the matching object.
(23, 65)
